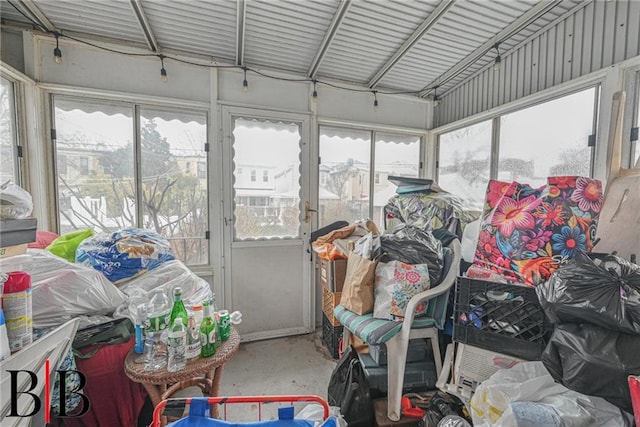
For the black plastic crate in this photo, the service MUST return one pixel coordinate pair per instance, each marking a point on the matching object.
(502, 318)
(331, 335)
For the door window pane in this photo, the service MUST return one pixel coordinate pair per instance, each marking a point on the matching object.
(549, 139)
(266, 208)
(395, 155)
(174, 194)
(8, 137)
(465, 161)
(345, 169)
(95, 172)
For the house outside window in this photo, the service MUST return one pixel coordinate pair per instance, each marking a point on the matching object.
(100, 189)
(84, 166)
(351, 187)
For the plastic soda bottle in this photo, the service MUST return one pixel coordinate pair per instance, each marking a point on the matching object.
(177, 343)
(178, 309)
(196, 309)
(157, 321)
(208, 332)
(193, 339)
(158, 312)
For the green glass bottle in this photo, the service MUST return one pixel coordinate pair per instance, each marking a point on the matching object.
(208, 332)
(178, 309)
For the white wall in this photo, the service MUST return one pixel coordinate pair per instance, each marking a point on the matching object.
(97, 69)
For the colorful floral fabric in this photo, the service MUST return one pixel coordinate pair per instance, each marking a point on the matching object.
(527, 233)
(395, 284)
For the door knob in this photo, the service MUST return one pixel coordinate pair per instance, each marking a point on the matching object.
(307, 211)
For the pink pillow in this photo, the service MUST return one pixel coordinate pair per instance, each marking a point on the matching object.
(43, 239)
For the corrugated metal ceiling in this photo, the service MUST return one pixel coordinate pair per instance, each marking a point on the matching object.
(403, 45)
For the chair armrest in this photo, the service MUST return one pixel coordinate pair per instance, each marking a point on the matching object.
(443, 287)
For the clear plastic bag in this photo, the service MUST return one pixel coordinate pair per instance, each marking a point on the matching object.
(512, 397)
(167, 276)
(15, 202)
(315, 412)
(62, 290)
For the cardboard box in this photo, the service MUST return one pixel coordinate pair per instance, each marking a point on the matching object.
(10, 251)
(331, 274)
(329, 301)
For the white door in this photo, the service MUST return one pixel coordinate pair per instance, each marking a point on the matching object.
(266, 228)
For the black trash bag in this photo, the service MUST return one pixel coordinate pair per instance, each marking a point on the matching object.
(594, 361)
(600, 289)
(348, 389)
(412, 245)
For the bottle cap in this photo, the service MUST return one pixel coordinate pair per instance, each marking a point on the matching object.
(177, 290)
(17, 281)
(196, 307)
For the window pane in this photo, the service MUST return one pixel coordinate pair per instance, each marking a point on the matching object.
(465, 161)
(345, 156)
(174, 181)
(266, 208)
(94, 155)
(7, 133)
(396, 155)
(549, 139)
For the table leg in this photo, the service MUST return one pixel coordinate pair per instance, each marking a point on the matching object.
(215, 388)
(155, 394)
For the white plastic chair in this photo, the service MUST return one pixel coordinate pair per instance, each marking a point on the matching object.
(397, 345)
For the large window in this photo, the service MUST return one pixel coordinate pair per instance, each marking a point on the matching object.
(350, 189)
(549, 139)
(8, 134)
(96, 149)
(465, 161)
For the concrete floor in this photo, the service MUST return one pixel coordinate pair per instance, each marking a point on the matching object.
(291, 365)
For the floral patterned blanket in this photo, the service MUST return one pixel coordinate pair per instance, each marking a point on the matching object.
(527, 233)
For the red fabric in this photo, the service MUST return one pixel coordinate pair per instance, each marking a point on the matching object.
(43, 239)
(115, 399)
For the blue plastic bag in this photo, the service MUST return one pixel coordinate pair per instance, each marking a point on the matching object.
(124, 254)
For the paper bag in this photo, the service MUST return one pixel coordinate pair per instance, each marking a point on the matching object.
(357, 292)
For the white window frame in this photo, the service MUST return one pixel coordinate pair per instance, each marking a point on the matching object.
(19, 119)
(630, 119)
(512, 108)
(374, 129)
(136, 102)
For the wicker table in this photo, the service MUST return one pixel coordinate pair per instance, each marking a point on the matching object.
(204, 373)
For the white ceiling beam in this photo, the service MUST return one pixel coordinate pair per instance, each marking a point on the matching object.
(338, 17)
(29, 8)
(414, 38)
(241, 16)
(145, 26)
(515, 27)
